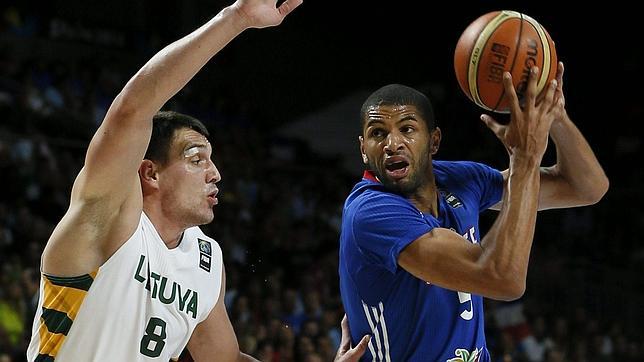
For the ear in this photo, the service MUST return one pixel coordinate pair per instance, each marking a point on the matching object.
(365, 160)
(434, 140)
(149, 173)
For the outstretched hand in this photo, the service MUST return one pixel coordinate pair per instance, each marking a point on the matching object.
(264, 13)
(345, 352)
(529, 126)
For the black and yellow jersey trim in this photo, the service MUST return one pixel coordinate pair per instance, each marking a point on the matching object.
(63, 297)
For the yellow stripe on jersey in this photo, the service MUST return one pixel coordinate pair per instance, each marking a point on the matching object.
(63, 297)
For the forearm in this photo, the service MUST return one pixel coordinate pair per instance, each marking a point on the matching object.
(576, 162)
(506, 247)
(171, 68)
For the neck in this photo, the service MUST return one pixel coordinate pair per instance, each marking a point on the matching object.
(168, 230)
(426, 198)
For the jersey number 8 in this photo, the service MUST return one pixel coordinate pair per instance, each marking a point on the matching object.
(153, 341)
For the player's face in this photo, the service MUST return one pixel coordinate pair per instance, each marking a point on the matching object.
(396, 145)
(188, 181)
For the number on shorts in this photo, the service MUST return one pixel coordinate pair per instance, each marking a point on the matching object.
(464, 298)
(153, 341)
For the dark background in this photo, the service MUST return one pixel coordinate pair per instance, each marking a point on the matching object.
(326, 50)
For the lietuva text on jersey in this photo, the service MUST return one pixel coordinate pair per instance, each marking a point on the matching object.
(141, 305)
(186, 299)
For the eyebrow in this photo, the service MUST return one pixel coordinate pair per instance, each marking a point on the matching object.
(371, 122)
(409, 117)
(188, 150)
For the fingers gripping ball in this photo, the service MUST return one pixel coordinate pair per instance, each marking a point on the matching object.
(502, 41)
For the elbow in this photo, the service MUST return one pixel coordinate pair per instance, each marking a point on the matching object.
(513, 290)
(506, 286)
(135, 101)
(602, 189)
(123, 108)
(599, 190)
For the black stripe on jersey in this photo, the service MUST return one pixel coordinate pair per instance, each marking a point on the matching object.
(56, 322)
(82, 282)
(44, 358)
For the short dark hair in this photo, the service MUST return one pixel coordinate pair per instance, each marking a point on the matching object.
(164, 126)
(398, 94)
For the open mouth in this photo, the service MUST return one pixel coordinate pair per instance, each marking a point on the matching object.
(397, 167)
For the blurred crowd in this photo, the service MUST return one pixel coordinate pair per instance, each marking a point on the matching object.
(278, 222)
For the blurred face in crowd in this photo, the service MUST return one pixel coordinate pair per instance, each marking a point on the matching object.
(397, 146)
(187, 182)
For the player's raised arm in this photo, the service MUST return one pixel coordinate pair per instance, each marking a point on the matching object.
(119, 145)
(577, 178)
(106, 198)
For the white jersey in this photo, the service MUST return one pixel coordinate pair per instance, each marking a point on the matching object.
(141, 305)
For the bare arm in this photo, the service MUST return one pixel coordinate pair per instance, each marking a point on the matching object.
(118, 146)
(577, 179)
(106, 198)
(214, 339)
(497, 267)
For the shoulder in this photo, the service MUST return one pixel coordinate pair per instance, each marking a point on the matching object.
(373, 197)
(461, 171)
(382, 213)
(467, 167)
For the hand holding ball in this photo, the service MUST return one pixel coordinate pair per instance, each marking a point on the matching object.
(497, 42)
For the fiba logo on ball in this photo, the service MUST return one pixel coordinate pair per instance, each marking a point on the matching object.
(497, 42)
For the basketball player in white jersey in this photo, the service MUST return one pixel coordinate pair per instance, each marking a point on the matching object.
(127, 274)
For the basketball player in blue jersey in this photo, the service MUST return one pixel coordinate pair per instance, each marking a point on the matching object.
(127, 275)
(413, 266)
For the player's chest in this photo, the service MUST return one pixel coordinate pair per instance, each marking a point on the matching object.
(458, 212)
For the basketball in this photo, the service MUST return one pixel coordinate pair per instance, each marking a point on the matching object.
(502, 41)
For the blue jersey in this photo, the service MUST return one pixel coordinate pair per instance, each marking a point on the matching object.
(409, 319)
